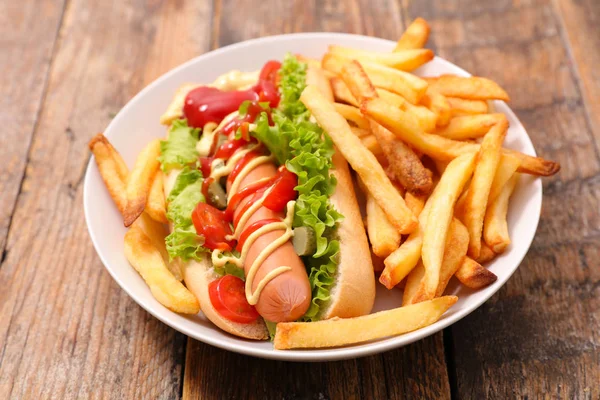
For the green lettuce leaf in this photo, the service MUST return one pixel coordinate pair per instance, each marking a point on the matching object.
(179, 149)
(307, 151)
(183, 241)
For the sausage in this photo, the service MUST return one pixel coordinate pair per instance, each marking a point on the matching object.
(286, 297)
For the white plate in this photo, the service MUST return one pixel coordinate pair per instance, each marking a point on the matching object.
(137, 123)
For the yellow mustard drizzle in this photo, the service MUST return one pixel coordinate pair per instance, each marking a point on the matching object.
(219, 260)
(246, 170)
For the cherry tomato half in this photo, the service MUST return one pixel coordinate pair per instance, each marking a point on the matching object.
(283, 190)
(210, 223)
(270, 71)
(228, 297)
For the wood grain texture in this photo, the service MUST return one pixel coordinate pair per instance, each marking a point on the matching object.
(26, 57)
(539, 335)
(66, 329)
(212, 373)
(417, 371)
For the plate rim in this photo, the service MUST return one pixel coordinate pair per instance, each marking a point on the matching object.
(306, 355)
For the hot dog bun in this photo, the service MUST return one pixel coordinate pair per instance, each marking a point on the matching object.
(354, 292)
(197, 275)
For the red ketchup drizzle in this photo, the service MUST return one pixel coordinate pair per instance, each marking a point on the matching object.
(207, 104)
(253, 228)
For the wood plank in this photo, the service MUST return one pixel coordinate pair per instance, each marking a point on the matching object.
(26, 54)
(416, 371)
(539, 335)
(67, 330)
(398, 374)
(580, 20)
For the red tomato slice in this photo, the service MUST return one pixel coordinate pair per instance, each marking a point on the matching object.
(210, 223)
(228, 297)
(283, 190)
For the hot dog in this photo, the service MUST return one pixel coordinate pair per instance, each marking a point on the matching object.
(263, 210)
(287, 297)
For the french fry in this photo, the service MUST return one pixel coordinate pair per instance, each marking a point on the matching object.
(406, 166)
(383, 235)
(405, 60)
(409, 86)
(467, 107)
(455, 250)
(361, 160)
(486, 254)
(415, 36)
(148, 262)
(473, 275)
(313, 62)
(316, 76)
(140, 181)
(469, 126)
(414, 285)
(360, 132)
(438, 104)
(405, 126)
(155, 205)
(442, 203)
(472, 88)
(415, 203)
(341, 93)
(507, 167)
(352, 114)
(113, 170)
(371, 143)
(403, 162)
(495, 227)
(343, 331)
(479, 189)
(427, 119)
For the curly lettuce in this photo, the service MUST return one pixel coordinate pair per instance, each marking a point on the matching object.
(179, 149)
(183, 241)
(307, 151)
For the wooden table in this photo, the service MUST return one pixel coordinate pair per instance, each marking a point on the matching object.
(68, 331)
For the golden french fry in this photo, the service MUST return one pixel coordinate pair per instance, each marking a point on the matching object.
(383, 235)
(467, 107)
(415, 36)
(415, 203)
(360, 132)
(405, 126)
(112, 169)
(455, 250)
(140, 181)
(438, 104)
(427, 119)
(404, 163)
(405, 60)
(440, 215)
(148, 262)
(479, 189)
(409, 86)
(361, 160)
(486, 254)
(413, 288)
(352, 114)
(495, 227)
(507, 167)
(155, 205)
(316, 76)
(472, 88)
(473, 275)
(469, 126)
(343, 331)
(341, 93)
(371, 143)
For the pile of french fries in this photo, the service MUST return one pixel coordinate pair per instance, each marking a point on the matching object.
(428, 154)
(429, 158)
(139, 197)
